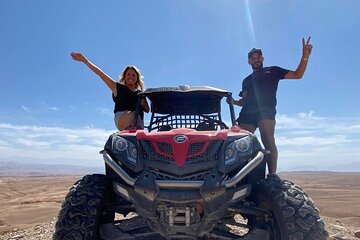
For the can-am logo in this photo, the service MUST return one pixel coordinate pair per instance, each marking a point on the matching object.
(180, 138)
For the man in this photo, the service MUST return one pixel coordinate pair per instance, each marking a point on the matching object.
(258, 98)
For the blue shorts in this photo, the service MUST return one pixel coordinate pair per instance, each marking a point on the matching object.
(254, 118)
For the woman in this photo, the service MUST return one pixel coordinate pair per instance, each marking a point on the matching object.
(124, 93)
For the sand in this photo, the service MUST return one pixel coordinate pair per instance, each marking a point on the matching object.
(27, 201)
(337, 195)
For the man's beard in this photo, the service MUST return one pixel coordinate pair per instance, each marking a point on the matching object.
(257, 65)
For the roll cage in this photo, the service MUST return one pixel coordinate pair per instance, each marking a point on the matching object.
(186, 107)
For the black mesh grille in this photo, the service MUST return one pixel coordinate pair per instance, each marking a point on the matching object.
(182, 121)
(195, 148)
(211, 153)
(192, 176)
(150, 153)
(165, 147)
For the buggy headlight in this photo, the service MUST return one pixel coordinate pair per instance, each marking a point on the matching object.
(237, 149)
(120, 144)
(132, 152)
(126, 148)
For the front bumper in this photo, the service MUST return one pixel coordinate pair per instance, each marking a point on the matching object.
(251, 165)
(187, 207)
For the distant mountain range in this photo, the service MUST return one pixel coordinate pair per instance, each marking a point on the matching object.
(344, 167)
(41, 169)
(22, 167)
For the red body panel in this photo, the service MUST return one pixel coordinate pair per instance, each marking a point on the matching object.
(187, 137)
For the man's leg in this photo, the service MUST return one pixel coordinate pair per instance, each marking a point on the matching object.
(267, 132)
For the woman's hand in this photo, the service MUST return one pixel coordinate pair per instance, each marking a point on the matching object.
(78, 57)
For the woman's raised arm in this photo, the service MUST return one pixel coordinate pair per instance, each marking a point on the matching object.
(107, 80)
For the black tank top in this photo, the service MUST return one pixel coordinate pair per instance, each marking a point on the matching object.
(126, 99)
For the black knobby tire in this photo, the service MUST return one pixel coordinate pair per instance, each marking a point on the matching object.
(294, 215)
(80, 214)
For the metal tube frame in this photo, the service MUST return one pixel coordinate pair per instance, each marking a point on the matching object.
(251, 165)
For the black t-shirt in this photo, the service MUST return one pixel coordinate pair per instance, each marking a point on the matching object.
(125, 99)
(262, 87)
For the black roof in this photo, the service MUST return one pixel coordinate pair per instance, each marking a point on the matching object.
(185, 99)
(185, 89)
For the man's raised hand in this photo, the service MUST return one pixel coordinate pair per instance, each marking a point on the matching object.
(307, 47)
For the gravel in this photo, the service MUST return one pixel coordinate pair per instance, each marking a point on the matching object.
(337, 231)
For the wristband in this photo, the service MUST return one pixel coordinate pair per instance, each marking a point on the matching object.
(305, 59)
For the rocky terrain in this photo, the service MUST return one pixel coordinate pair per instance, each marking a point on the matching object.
(336, 229)
(29, 205)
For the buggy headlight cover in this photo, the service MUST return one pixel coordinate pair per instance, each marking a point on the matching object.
(128, 150)
(238, 148)
(132, 152)
(119, 144)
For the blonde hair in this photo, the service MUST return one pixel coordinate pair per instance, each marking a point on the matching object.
(139, 82)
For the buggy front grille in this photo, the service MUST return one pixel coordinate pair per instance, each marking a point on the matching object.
(212, 152)
(192, 176)
(151, 154)
(198, 152)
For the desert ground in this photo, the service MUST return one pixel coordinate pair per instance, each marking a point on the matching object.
(32, 202)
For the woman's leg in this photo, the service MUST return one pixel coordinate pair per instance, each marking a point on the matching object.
(125, 120)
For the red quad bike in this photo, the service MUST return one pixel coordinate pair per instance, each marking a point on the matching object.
(188, 176)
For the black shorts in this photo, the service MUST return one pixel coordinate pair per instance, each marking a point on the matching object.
(254, 118)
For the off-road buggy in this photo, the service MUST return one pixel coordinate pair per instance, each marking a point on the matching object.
(189, 175)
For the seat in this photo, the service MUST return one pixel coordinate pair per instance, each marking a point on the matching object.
(164, 128)
(206, 126)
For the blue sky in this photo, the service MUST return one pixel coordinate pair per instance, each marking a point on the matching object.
(54, 110)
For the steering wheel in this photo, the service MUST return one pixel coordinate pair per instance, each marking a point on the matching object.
(209, 123)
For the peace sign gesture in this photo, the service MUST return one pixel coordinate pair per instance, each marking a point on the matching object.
(307, 47)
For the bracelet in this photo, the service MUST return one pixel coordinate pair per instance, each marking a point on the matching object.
(305, 59)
